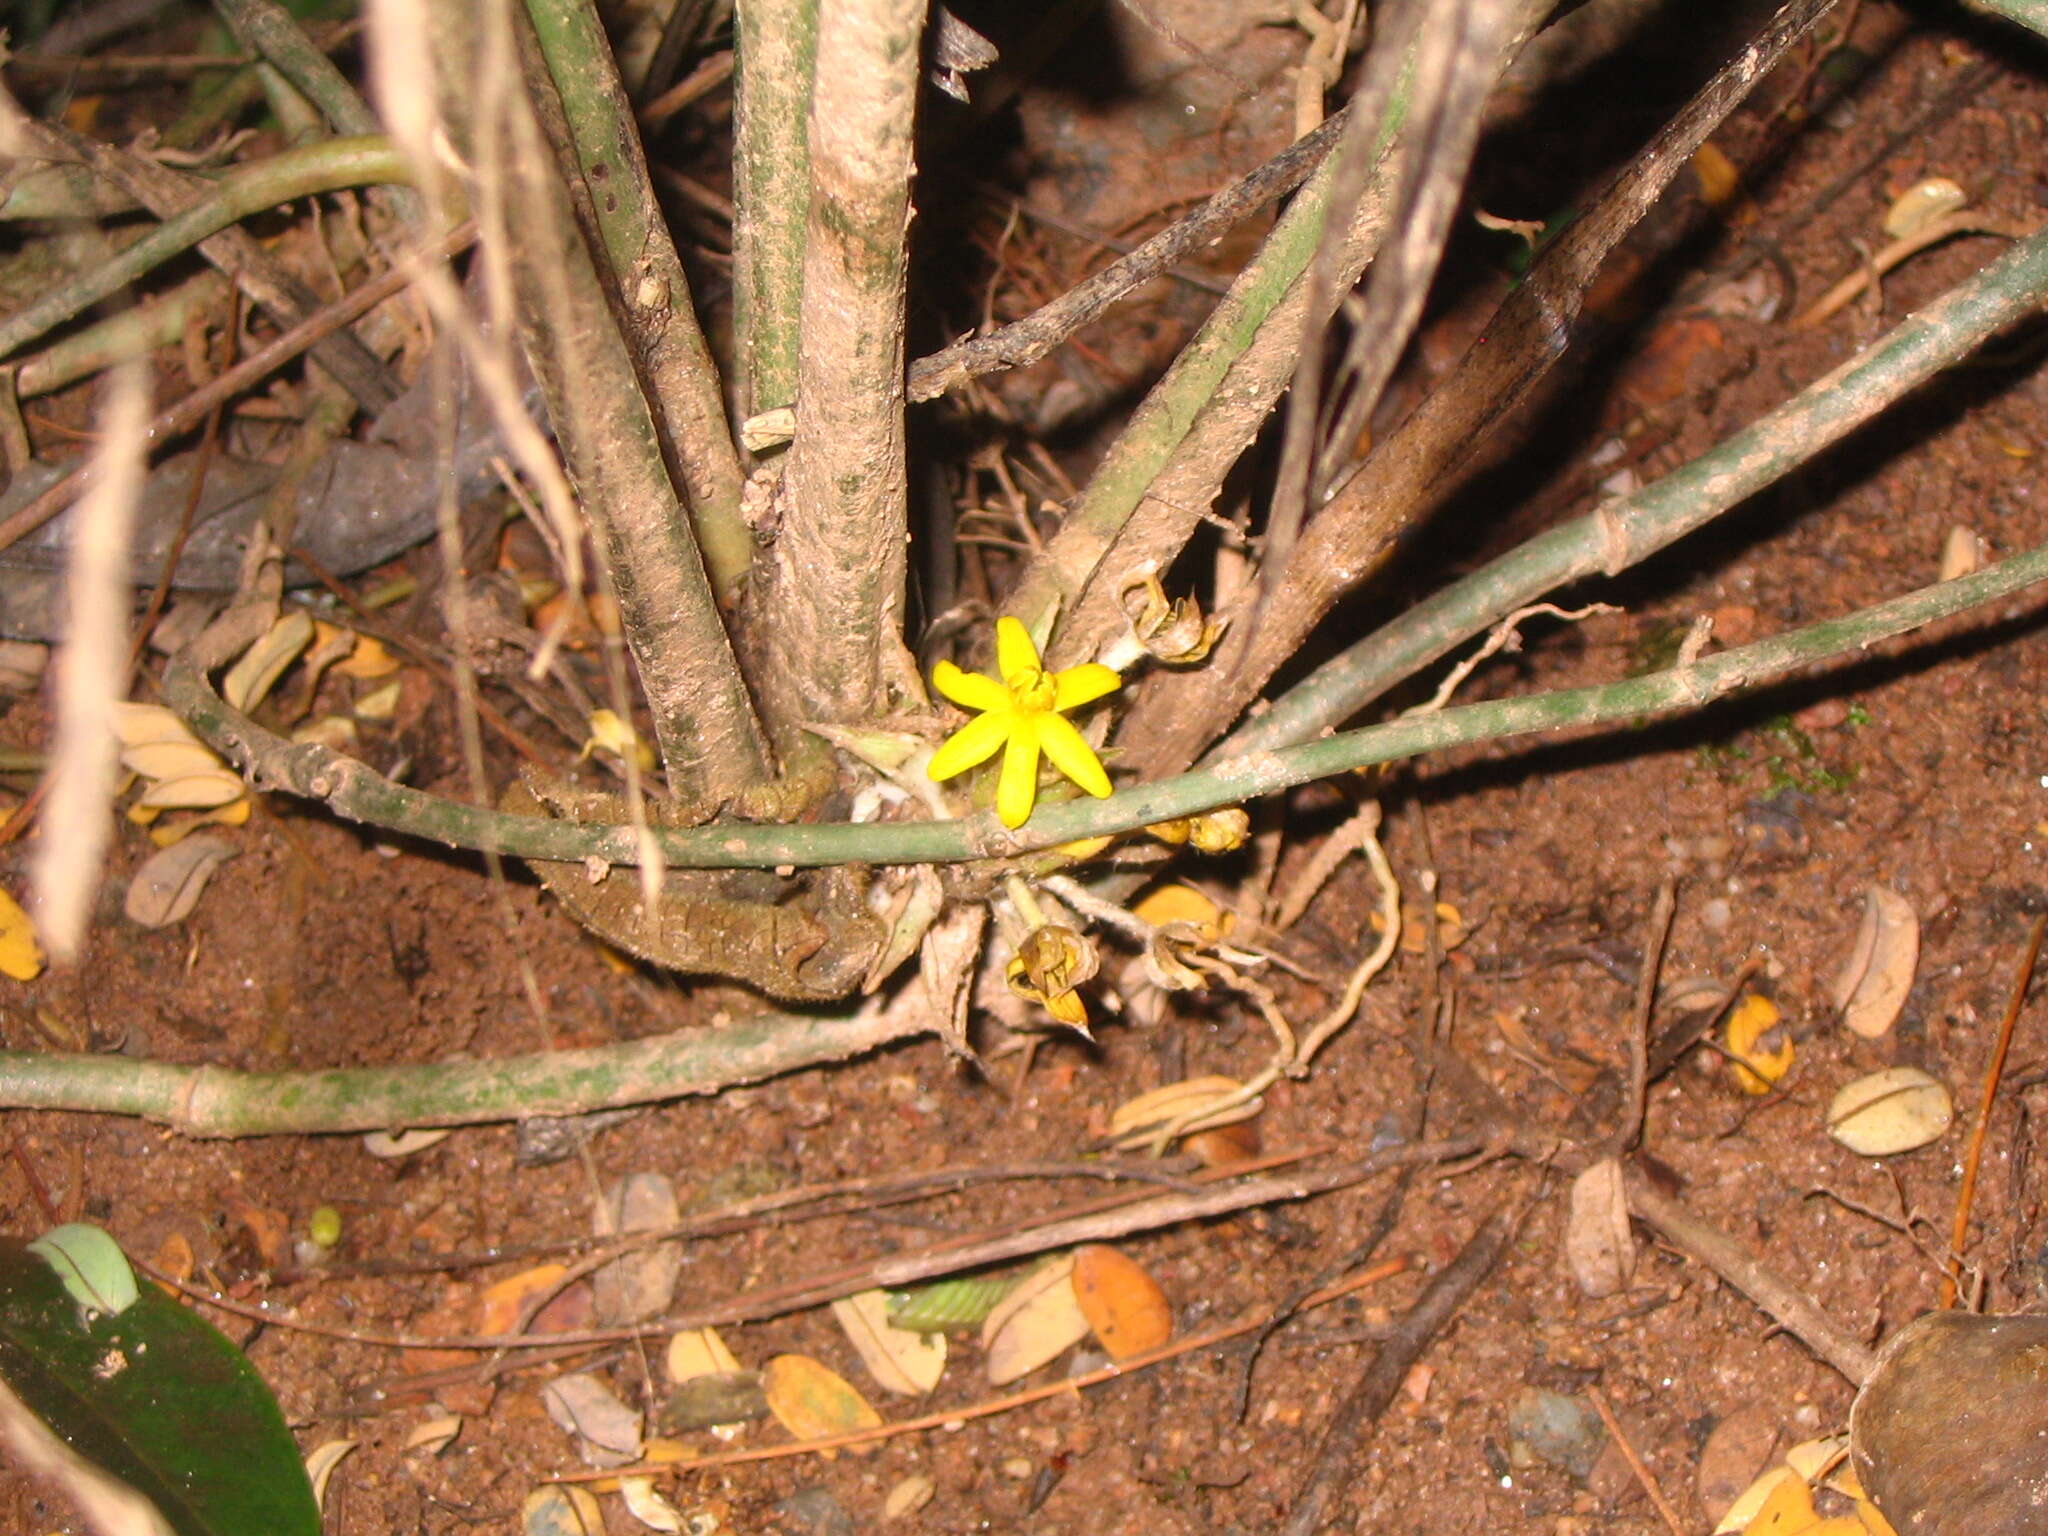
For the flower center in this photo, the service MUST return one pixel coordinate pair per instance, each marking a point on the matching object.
(1032, 689)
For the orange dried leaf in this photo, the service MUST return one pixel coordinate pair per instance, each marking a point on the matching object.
(812, 1401)
(499, 1307)
(1124, 1305)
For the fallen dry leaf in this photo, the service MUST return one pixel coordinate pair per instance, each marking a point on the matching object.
(320, 1464)
(168, 885)
(560, 1509)
(1736, 1450)
(607, 1431)
(436, 1434)
(1133, 1122)
(812, 1401)
(637, 1285)
(1599, 1248)
(1872, 984)
(1892, 1111)
(1038, 1321)
(647, 1506)
(1123, 1304)
(905, 1363)
(258, 668)
(698, 1352)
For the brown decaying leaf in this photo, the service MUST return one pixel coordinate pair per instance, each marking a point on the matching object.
(1598, 1246)
(607, 1431)
(1871, 987)
(1036, 1322)
(1124, 1305)
(812, 1401)
(168, 885)
(637, 1285)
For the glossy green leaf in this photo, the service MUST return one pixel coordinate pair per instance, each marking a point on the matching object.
(155, 1397)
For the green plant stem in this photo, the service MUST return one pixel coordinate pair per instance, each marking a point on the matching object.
(354, 791)
(325, 167)
(1636, 526)
(710, 740)
(267, 28)
(651, 290)
(216, 1101)
(155, 322)
(1141, 450)
(776, 56)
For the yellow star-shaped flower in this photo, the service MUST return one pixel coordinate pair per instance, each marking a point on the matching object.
(1021, 714)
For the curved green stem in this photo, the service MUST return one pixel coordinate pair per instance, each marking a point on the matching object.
(354, 791)
(1634, 527)
(329, 166)
(216, 1101)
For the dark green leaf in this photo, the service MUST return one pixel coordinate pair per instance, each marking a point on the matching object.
(157, 1398)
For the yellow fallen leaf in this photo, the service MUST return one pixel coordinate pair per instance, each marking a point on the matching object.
(380, 703)
(195, 791)
(812, 1401)
(170, 759)
(1759, 1042)
(257, 670)
(320, 1464)
(699, 1352)
(1123, 1304)
(166, 830)
(368, 661)
(1788, 1511)
(21, 956)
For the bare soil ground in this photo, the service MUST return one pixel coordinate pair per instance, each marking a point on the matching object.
(1920, 768)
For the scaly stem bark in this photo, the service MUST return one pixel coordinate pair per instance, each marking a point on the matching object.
(832, 598)
(776, 52)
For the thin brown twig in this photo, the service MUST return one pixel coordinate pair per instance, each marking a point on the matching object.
(948, 1416)
(1026, 340)
(1794, 1310)
(1447, 1291)
(1994, 1069)
(971, 1251)
(1656, 933)
(1636, 1464)
(184, 414)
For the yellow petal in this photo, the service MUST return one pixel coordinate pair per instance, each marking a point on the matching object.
(970, 690)
(1014, 651)
(1084, 685)
(1018, 786)
(1071, 755)
(975, 742)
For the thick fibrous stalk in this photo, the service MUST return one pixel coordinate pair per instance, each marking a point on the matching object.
(834, 580)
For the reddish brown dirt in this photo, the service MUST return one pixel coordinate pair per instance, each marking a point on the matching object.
(316, 948)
